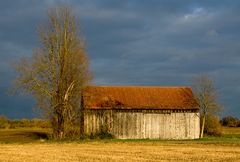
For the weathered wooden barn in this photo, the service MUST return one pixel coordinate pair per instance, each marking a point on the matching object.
(141, 112)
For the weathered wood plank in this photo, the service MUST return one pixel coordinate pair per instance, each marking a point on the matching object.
(130, 124)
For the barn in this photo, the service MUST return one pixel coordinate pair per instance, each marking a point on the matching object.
(136, 112)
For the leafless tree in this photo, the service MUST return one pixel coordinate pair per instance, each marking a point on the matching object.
(58, 70)
(206, 96)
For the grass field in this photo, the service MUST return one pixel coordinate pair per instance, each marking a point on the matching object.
(28, 145)
(22, 135)
(230, 130)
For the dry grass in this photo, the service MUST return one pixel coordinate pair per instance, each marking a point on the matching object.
(26, 145)
(120, 151)
(231, 130)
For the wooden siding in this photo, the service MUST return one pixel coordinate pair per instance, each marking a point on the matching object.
(142, 125)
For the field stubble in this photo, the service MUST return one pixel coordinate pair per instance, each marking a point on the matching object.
(119, 151)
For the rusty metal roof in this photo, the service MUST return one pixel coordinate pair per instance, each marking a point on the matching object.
(139, 97)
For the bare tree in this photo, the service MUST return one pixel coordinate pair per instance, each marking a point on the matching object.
(58, 70)
(206, 96)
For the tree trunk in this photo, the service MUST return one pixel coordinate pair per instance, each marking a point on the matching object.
(61, 130)
(81, 117)
(203, 124)
(58, 124)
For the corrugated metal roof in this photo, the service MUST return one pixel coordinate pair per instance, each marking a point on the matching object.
(139, 97)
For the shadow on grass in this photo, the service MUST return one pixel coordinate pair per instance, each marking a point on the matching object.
(36, 135)
(23, 135)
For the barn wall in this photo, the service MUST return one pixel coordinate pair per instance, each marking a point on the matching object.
(140, 125)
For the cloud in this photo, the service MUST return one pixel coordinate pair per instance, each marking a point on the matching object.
(139, 43)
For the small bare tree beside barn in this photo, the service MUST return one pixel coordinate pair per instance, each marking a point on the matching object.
(206, 95)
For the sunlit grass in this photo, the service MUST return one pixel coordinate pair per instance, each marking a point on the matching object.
(120, 151)
(28, 145)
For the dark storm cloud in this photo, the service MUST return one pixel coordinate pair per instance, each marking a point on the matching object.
(136, 42)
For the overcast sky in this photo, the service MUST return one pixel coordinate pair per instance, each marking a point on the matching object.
(134, 42)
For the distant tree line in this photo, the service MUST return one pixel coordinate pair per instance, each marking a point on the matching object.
(6, 123)
(230, 121)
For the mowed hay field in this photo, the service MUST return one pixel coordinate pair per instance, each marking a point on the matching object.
(208, 149)
(100, 151)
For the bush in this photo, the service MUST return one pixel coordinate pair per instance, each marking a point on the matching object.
(100, 135)
(104, 135)
(230, 121)
(4, 122)
(238, 125)
(72, 131)
(212, 125)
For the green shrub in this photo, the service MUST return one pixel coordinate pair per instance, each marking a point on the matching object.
(99, 135)
(212, 125)
(104, 135)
